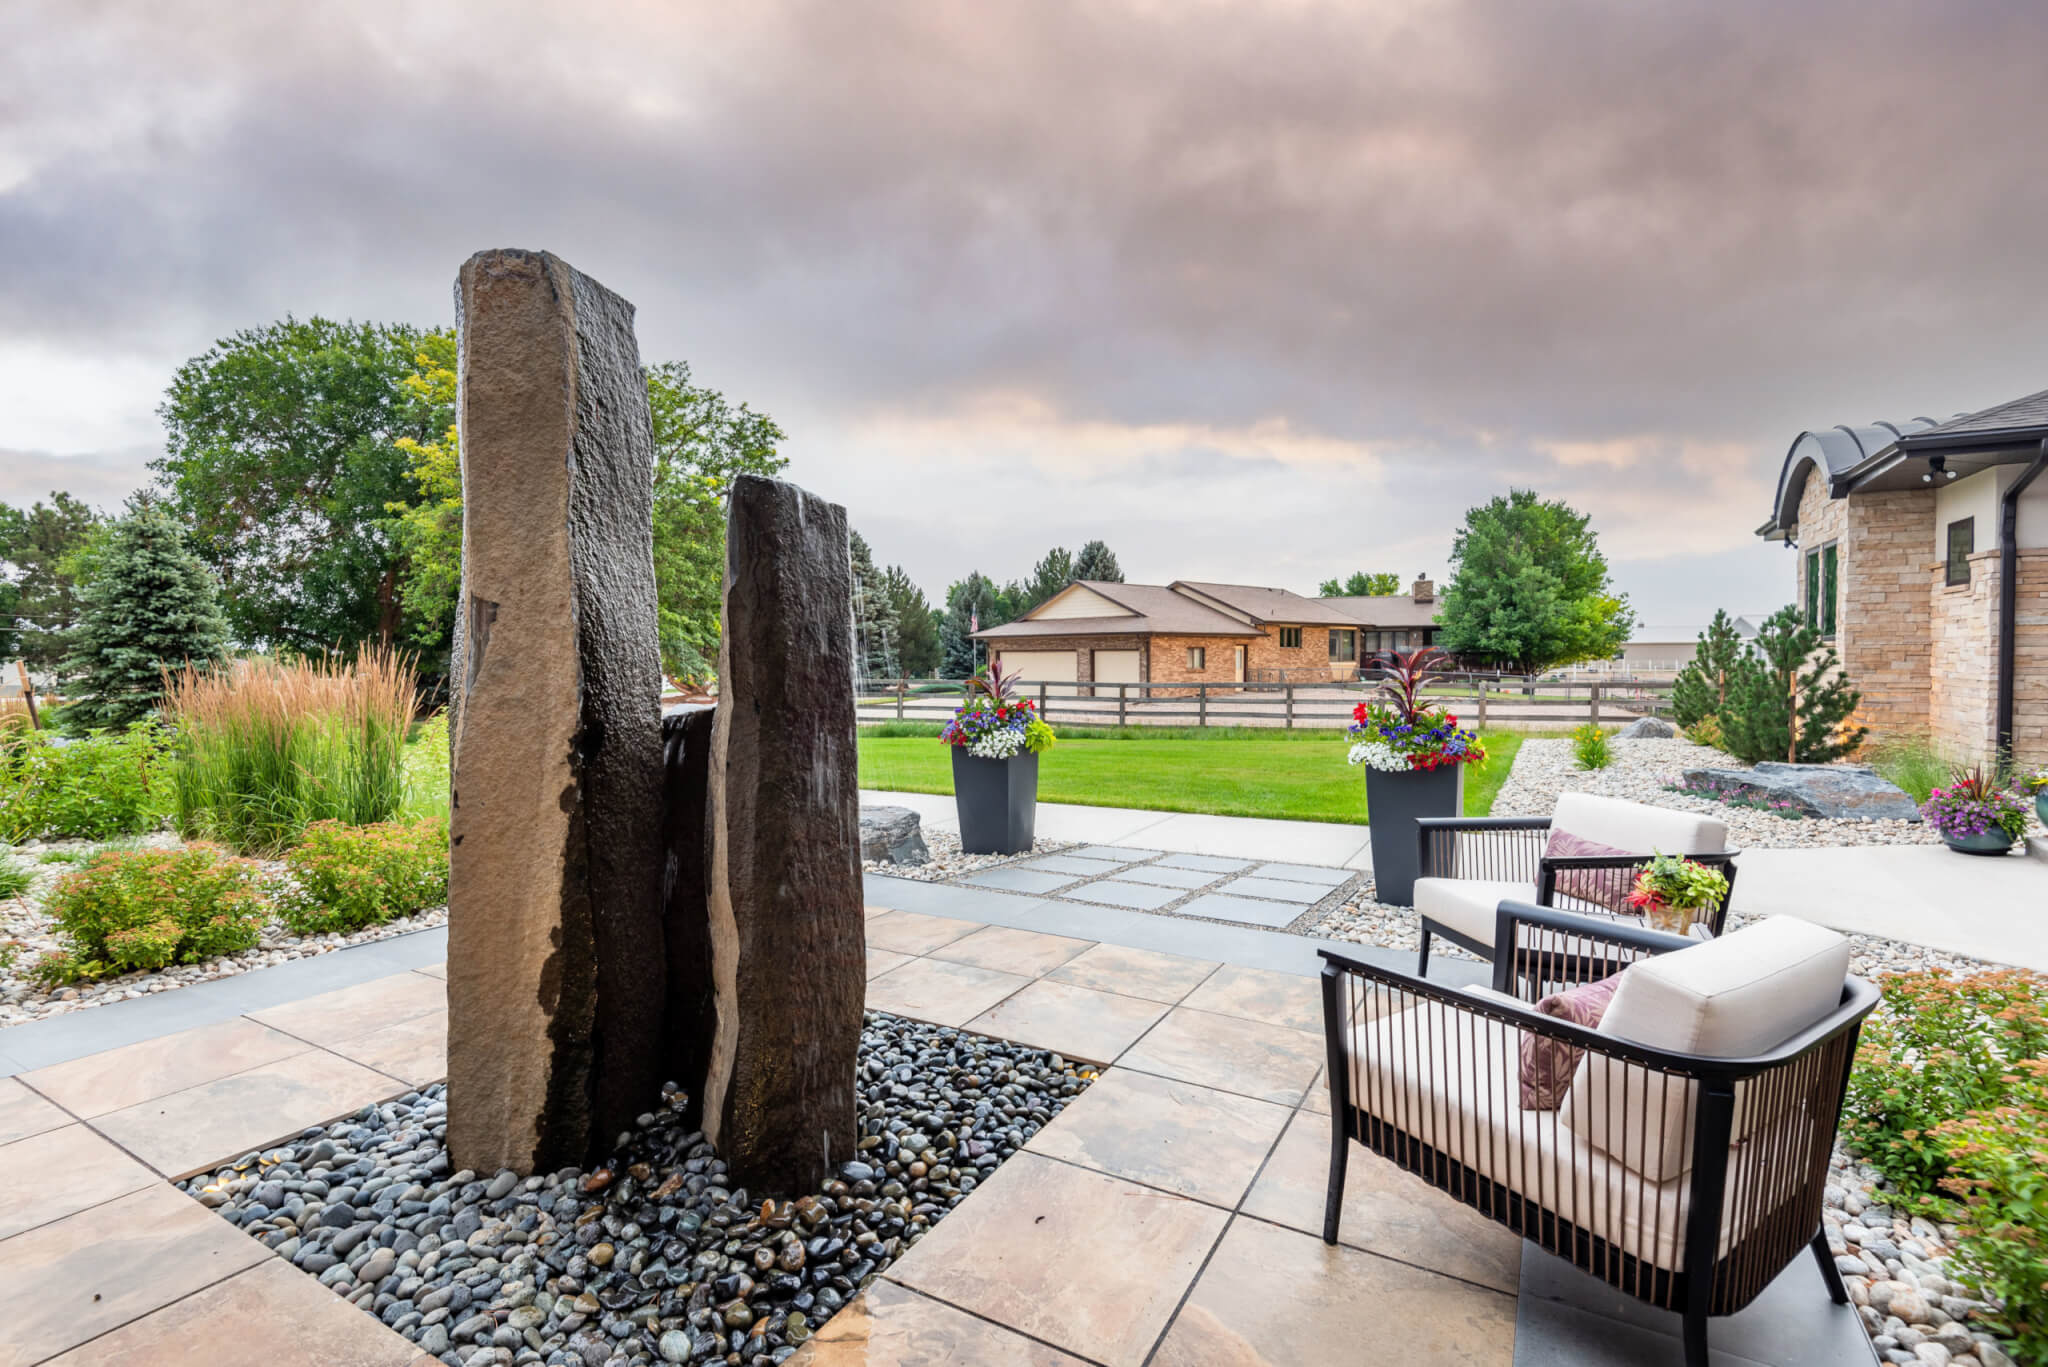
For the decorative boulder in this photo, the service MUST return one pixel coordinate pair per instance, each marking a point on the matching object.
(892, 835)
(1647, 728)
(1845, 792)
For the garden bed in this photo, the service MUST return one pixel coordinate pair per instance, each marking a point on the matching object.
(654, 1257)
(948, 861)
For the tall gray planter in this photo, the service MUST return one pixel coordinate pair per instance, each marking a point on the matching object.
(1394, 802)
(997, 800)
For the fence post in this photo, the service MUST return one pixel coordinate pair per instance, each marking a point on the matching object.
(1593, 706)
(1041, 699)
(1122, 702)
(1482, 704)
(902, 692)
(1201, 705)
(1290, 707)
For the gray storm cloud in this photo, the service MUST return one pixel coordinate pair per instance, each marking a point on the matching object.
(1437, 248)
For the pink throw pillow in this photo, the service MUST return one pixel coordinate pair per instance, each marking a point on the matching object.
(1607, 888)
(1548, 1064)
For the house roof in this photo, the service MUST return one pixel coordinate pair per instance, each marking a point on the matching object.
(2016, 418)
(1155, 610)
(1263, 605)
(1836, 453)
(1388, 610)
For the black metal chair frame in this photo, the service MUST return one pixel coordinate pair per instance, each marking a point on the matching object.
(1805, 1078)
(1504, 847)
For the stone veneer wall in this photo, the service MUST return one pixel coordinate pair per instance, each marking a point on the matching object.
(1884, 617)
(2030, 662)
(1962, 699)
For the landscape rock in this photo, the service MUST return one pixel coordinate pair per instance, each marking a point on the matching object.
(1849, 792)
(1647, 728)
(892, 835)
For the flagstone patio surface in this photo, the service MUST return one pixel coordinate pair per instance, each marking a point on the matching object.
(1168, 1216)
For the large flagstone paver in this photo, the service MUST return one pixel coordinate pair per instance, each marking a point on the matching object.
(1262, 995)
(413, 1051)
(61, 1172)
(913, 932)
(940, 992)
(880, 961)
(273, 1315)
(353, 1012)
(99, 1083)
(1135, 972)
(23, 1112)
(891, 1326)
(191, 1130)
(1386, 1211)
(1076, 1021)
(1075, 1258)
(1269, 1062)
(1009, 950)
(69, 1282)
(1192, 1140)
(1271, 1296)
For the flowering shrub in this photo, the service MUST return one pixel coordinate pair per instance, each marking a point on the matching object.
(1998, 1171)
(1677, 883)
(2036, 783)
(1590, 747)
(1972, 804)
(991, 724)
(343, 878)
(147, 909)
(1402, 732)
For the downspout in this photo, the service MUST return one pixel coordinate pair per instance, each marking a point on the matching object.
(2009, 600)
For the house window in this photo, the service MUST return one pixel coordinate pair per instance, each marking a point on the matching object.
(1822, 585)
(1290, 638)
(1962, 539)
(1343, 645)
(1198, 658)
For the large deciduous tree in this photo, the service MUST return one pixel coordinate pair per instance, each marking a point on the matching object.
(1788, 698)
(39, 594)
(282, 456)
(1361, 585)
(147, 604)
(1097, 561)
(1529, 588)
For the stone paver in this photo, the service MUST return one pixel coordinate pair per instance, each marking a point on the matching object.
(61, 1172)
(1206, 863)
(1074, 864)
(105, 1082)
(1135, 972)
(23, 1112)
(1269, 1062)
(1305, 873)
(1013, 879)
(940, 992)
(1114, 892)
(880, 961)
(1091, 1264)
(1274, 890)
(1261, 995)
(1118, 853)
(1076, 1021)
(1009, 950)
(1195, 1141)
(912, 932)
(413, 1051)
(353, 1012)
(891, 1326)
(1243, 910)
(1167, 876)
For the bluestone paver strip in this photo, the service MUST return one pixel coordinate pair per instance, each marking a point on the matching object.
(1113, 892)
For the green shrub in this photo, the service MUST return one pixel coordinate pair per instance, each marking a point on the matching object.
(1589, 744)
(1789, 697)
(1998, 1171)
(344, 878)
(105, 785)
(1707, 731)
(64, 856)
(15, 878)
(147, 909)
(1912, 762)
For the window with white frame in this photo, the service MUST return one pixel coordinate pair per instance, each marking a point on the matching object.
(1198, 658)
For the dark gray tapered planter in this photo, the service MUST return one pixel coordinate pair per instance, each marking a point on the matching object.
(998, 801)
(1393, 802)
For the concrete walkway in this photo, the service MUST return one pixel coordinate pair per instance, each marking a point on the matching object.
(1328, 843)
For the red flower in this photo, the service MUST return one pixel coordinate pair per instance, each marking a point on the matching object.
(1360, 712)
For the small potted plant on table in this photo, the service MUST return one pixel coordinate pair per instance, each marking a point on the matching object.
(1672, 890)
(1415, 757)
(1974, 815)
(996, 740)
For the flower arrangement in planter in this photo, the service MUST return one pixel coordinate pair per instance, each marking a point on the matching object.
(996, 739)
(2035, 785)
(1671, 889)
(1974, 815)
(1414, 757)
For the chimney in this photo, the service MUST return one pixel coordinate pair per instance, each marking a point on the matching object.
(1425, 591)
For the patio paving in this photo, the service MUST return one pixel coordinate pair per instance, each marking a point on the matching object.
(1169, 1216)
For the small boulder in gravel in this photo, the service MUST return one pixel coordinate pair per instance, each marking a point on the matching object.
(892, 835)
(1852, 792)
(1647, 728)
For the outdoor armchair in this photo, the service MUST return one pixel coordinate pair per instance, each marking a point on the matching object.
(1686, 1163)
(1470, 865)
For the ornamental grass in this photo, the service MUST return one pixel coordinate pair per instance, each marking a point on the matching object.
(266, 746)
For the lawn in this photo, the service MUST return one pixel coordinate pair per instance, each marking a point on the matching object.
(1298, 775)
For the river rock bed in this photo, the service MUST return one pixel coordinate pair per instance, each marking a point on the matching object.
(654, 1257)
(947, 862)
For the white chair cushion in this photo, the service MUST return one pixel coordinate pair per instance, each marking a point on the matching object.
(1734, 997)
(1451, 1081)
(1637, 828)
(1467, 905)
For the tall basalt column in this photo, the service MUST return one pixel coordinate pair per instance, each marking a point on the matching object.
(555, 946)
(788, 942)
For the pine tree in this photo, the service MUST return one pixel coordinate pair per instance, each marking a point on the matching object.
(917, 629)
(1788, 698)
(1701, 688)
(974, 597)
(1052, 573)
(1097, 561)
(148, 604)
(874, 627)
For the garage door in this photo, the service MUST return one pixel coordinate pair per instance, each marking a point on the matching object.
(1115, 667)
(1035, 667)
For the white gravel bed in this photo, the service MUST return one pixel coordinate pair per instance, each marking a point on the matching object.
(1642, 772)
(22, 920)
(948, 862)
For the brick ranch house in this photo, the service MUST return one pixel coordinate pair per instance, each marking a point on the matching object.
(1923, 556)
(1186, 632)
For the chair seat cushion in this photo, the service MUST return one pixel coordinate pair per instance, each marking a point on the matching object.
(1467, 905)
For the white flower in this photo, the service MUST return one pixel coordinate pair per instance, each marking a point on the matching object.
(1379, 755)
(998, 744)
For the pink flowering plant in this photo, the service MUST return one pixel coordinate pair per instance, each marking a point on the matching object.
(1973, 803)
(1402, 732)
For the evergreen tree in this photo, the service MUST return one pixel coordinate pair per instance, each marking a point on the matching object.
(975, 597)
(1529, 588)
(874, 625)
(147, 604)
(916, 626)
(1097, 561)
(1788, 698)
(1052, 573)
(1701, 688)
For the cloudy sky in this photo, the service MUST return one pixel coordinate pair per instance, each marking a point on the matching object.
(1255, 292)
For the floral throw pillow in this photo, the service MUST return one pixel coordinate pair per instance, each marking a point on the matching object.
(1547, 1064)
(1608, 888)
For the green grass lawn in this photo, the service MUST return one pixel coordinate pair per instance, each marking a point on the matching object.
(1298, 775)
